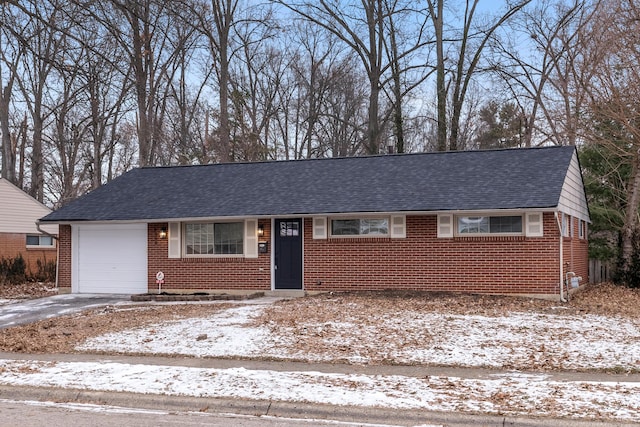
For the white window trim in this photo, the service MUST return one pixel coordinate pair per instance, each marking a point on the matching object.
(358, 236)
(183, 241)
(535, 224)
(445, 226)
(582, 229)
(175, 240)
(566, 225)
(488, 215)
(319, 227)
(398, 226)
(52, 245)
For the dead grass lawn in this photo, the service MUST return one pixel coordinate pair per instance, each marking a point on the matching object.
(63, 334)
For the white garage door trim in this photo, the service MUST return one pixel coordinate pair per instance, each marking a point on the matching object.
(109, 258)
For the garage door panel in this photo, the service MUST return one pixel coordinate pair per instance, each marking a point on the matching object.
(112, 258)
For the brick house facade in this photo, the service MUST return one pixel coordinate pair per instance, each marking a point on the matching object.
(509, 249)
(19, 234)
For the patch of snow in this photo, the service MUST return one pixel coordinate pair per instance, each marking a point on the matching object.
(516, 340)
(515, 394)
(227, 334)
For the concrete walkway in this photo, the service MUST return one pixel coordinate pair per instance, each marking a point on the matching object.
(418, 371)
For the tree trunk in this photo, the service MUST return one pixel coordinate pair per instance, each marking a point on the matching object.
(8, 149)
(37, 161)
(441, 89)
(631, 214)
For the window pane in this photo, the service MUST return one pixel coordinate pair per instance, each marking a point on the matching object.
(289, 229)
(506, 224)
(199, 239)
(229, 238)
(374, 226)
(473, 224)
(46, 241)
(345, 227)
(360, 227)
(33, 240)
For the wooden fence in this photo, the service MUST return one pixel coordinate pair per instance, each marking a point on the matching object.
(600, 271)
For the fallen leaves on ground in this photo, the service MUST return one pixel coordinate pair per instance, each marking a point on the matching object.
(317, 324)
(27, 290)
(63, 334)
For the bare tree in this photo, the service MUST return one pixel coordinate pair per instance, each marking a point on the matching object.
(141, 28)
(612, 40)
(542, 77)
(42, 49)
(465, 49)
(10, 56)
(364, 29)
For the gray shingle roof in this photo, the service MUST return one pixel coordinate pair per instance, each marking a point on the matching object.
(464, 180)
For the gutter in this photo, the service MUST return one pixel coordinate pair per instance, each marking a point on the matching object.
(558, 221)
(53, 236)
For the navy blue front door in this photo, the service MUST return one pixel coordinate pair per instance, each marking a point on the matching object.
(288, 253)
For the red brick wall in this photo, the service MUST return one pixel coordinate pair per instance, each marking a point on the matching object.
(12, 244)
(422, 261)
(64, 261)
(575, 253)
(207, 273)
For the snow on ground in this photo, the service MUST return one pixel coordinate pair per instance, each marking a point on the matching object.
(227, 335)
(516, 340)
(502, 393)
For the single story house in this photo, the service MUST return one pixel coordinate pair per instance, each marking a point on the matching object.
(497, 221)
(19, 233)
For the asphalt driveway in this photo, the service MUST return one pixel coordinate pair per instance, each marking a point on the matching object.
(19, 313)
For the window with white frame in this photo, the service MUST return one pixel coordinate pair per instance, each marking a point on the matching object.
(582, 229)
(219, 238)
(39, 240)
(511, 224)
(372, 227)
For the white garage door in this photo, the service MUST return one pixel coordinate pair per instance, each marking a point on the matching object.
(110, 259)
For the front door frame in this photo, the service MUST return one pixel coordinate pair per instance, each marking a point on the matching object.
(273, 252)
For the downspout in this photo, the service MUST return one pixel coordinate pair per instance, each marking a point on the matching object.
(54, 237)
(558, 221)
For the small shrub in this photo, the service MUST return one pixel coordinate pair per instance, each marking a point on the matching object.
(46, 271)
(12, 270)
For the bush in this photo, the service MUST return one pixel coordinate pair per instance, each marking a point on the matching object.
(46, 271)
(12, 270)
(631, 275)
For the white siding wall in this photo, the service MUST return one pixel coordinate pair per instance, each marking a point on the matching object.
(572, 199)
(19, 211)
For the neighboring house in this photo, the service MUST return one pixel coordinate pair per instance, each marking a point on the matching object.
(19, 234)
(498, 221)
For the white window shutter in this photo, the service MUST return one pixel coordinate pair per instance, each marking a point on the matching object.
(398, 226)
(174, 240)
(251, 238)
(445, 225)
(320, 227)
(534, 225)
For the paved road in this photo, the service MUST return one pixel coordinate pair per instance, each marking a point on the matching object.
(38, 414)
(19, 313)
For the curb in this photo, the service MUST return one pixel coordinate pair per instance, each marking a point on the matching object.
(280, 409)
(194, 297)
